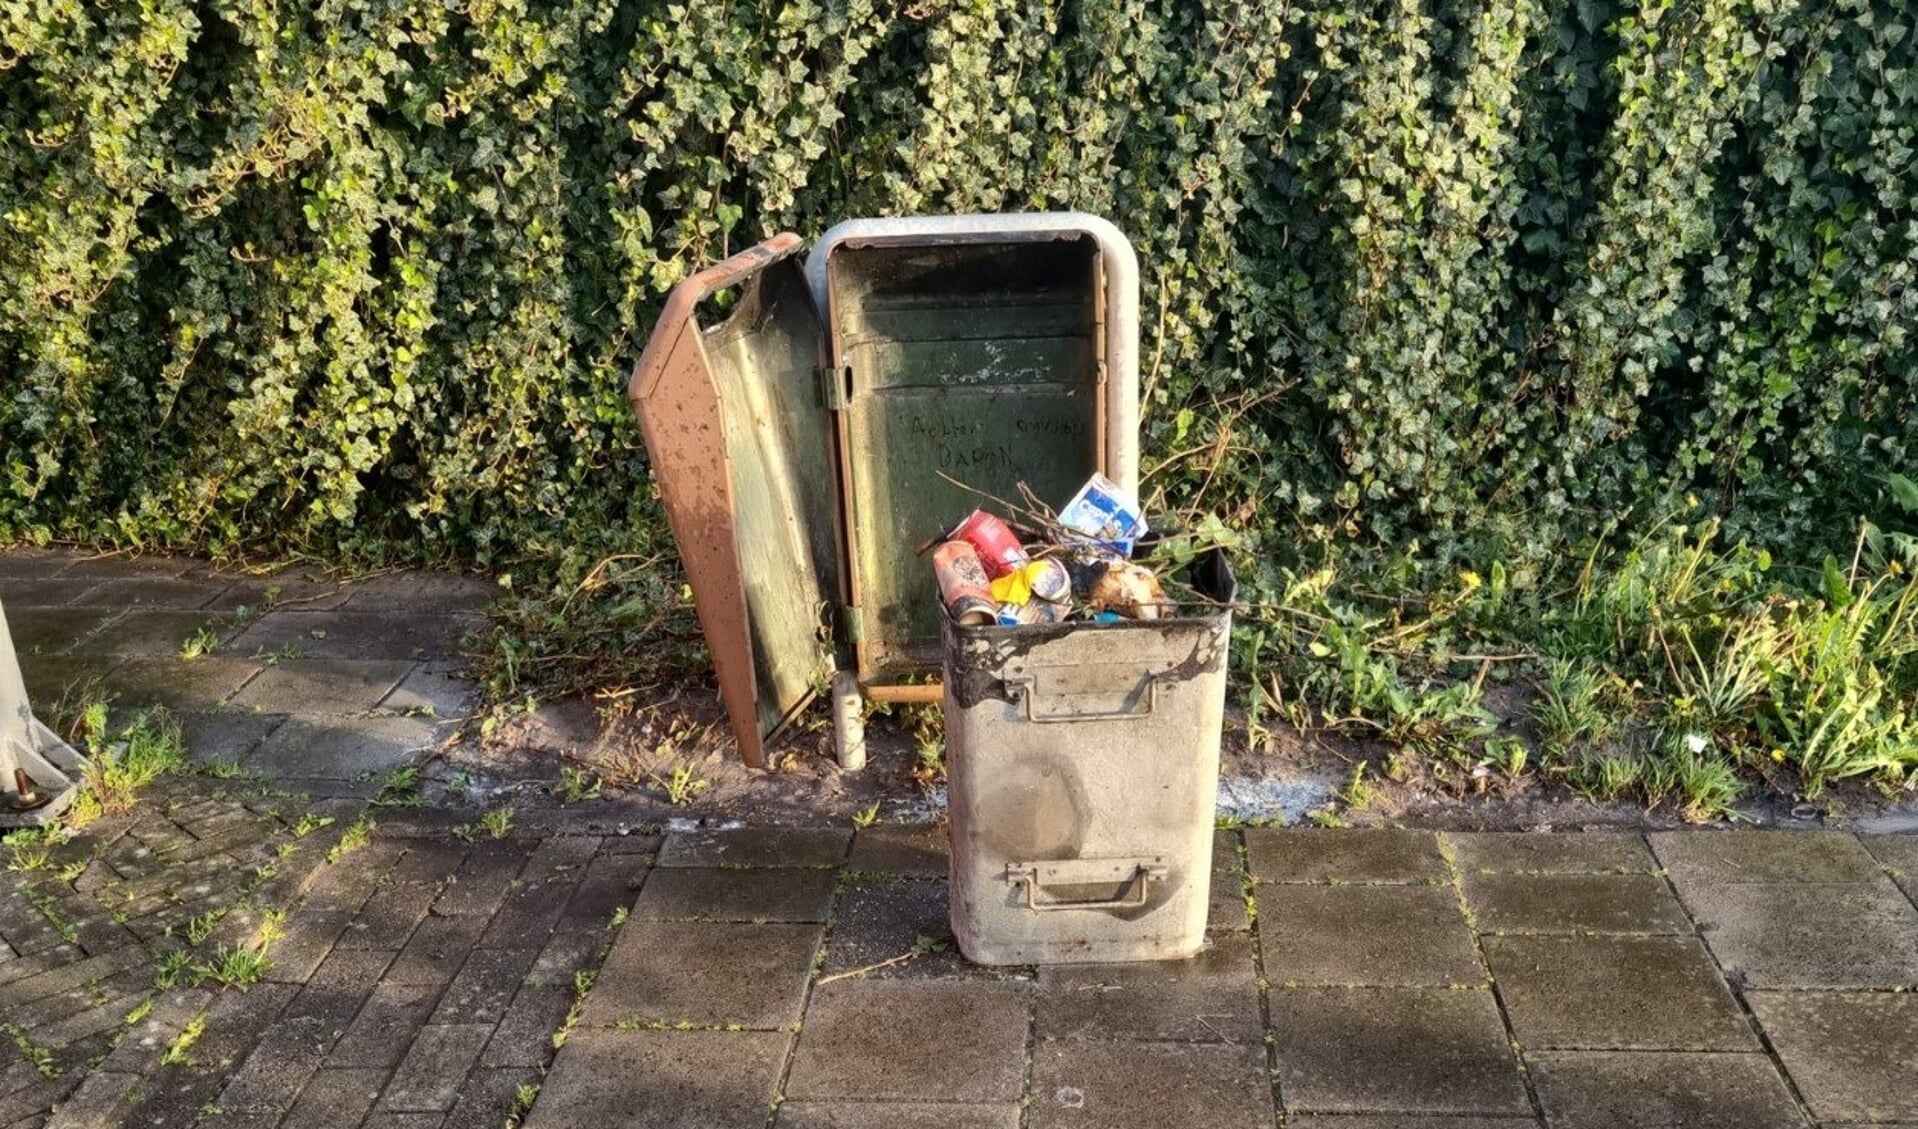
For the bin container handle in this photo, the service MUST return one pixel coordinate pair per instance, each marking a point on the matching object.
(1026, 688)
(1139, 874)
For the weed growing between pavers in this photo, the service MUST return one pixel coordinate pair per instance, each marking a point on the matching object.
(122, 762)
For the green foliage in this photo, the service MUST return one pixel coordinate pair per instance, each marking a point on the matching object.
(358, 277)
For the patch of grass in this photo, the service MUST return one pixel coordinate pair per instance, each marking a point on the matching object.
(203, 641)
(30, 849)
(173, 964)
(356, 836)
(142, 751)
(309, 822)
(523, 1098)
(576, 785)
(582, 984)
(43, 903)
(140, 1011)
(400, 789)
(234, 966)
(684, 785)
(177, 1050)
(39, 1057)
(495, 824)
(867, 816)
(199, 927)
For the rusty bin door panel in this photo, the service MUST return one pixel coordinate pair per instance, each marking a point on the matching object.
(744, 457)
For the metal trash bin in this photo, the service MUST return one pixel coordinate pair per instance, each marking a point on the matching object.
(1082, 764)
(799, 434)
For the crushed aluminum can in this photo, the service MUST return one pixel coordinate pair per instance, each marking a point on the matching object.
(998, 549)
(1105, 514)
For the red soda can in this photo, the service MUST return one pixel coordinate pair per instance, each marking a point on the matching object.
(998, 549)
(962, 583)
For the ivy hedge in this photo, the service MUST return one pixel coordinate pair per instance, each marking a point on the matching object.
(1431, 280)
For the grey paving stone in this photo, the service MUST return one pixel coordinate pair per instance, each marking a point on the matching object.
(707, 974)
(1399, 1122)
(677, 894)
(433, 689)
(482, 881)
(179, 685)
(524, 1036)
(224, 736)
(357, 635)
(902, 850)
(26, 562)
(382, 1119)
(309, 938)
(757, 847)
(1717, 857)
(611, 882)
(567, 953)
(878, 921)
(1616, 993)
(321, 687)
(895, 1115)
(335, 1098)
(488, 1097)
(422, 592)
(1853, 1055)
(151, 593)
(1214, 997)
(1227, 910)
(1149, 1086)
(485, 986)
(856, 1031)
(235, 1025)
(1376, 935)
(661, 1080)
(272, 1076)
(1639, 1090)
(1394, 1050)
(152, 634)
(1390, 1121)
(1563, 852)
(386, 1026)
(435, 1066)
(281, 592)
(102, 1100)
(1574, 903)
(109, 566)
(46, 631)
(340, 986)
(1898, 855)
(40, 592)
(1320, 854)
(436, 950)
(339, 747)
(49, 678)
(1860, 935)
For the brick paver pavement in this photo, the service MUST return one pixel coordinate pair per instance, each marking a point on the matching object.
(780, 978)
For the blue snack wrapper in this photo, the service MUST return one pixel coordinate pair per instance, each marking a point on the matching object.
(1104, 514)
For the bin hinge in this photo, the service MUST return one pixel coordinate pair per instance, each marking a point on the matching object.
(855, 621)
(835, 386)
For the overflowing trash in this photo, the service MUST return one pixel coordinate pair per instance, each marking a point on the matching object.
(1075, 567)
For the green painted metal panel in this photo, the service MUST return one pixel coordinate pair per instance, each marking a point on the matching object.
(976, 363)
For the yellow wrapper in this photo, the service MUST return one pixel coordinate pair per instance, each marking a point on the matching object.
(1014, 587)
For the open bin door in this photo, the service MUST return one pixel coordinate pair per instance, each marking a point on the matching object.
(728, 400)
